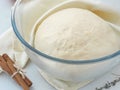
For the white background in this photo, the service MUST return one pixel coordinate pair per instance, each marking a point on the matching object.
(6, 83)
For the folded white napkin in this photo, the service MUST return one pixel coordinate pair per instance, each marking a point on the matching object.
(11, 45)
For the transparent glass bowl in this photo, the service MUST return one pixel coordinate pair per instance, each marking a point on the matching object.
(24, 15)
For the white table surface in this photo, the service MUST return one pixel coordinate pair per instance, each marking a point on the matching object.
(5, 7)
(6, 83)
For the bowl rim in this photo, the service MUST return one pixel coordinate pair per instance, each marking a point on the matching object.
(76, 62)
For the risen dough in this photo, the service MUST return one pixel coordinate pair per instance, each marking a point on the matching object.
(76, 33)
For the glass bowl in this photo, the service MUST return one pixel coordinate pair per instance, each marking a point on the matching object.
(62, 74)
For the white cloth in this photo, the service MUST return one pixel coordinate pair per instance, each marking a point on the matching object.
(11, 45)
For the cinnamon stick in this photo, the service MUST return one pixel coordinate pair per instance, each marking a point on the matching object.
(7, 58)
(8, 65)
(17, 76)
(4, 65)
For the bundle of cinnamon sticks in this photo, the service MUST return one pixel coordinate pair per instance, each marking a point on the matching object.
(8, 65)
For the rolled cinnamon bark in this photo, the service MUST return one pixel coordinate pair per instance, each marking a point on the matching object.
(6, 57)
(7, 65)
